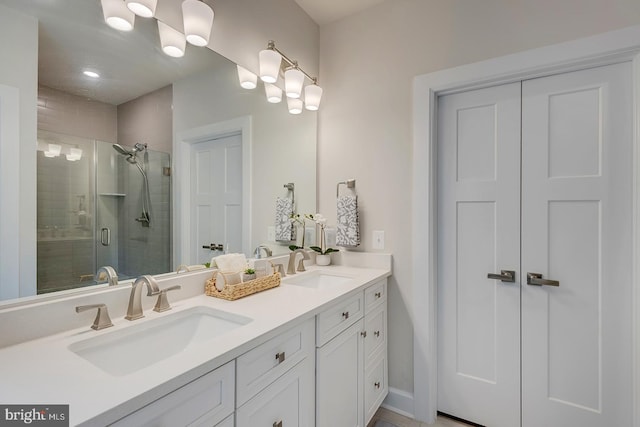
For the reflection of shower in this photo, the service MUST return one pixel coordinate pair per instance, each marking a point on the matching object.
(131, 157)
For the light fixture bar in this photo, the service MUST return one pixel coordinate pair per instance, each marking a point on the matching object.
(271, 45)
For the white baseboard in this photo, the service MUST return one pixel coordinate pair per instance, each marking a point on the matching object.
(399, 401)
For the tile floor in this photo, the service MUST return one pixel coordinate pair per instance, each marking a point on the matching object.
(402, 421)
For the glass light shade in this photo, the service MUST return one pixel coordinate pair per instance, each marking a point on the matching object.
(172, 41)
(312, 96)
(54, 149)
(117, 15)
(269, 65)
(293, 81)
(142, 8)
(295, 105)
(248, 80)
(198, 20)
(274, 93)
(75, 154)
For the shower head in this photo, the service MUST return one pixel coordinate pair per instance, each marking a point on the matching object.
(120, 149)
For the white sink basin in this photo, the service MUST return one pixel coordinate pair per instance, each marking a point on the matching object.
(135, 347)
(317, 279)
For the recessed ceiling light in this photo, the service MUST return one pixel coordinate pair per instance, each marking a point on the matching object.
(91, 74)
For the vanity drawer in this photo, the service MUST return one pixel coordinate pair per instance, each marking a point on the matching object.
(375, 387)
(261, 366)
(210, 398)
(375, 295)
(375, 325)
(336, 319)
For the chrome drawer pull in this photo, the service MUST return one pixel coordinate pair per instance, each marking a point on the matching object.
(280, 357)
(377, 334)
(378, 294)
(345, 314)
(377, 384)
(364, 334)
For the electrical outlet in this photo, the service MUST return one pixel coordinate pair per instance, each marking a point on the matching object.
(271, 233)
(378, 239)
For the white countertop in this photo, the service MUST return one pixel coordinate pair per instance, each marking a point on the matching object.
(45, 371)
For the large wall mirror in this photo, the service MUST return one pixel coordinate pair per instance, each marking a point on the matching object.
(153, 153)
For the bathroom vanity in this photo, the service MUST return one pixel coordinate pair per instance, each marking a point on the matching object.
(312, 351)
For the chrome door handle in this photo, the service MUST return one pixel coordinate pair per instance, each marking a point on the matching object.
(505, 276)
(105, 236)
(536, 279)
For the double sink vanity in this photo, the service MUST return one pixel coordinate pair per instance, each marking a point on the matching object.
(312, 351)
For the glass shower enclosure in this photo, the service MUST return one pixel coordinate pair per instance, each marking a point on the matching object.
(100, 205)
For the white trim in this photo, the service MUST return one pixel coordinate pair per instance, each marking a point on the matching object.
(181, 191)
(10, 201)
(587, 52)
(399, 401)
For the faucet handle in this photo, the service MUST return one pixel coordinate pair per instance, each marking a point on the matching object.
(280, 269)
(102, 319)
(162, 304)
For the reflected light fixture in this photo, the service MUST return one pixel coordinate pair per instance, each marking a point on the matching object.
(274, 93)
(248, 80)
(198, 20)
(117, 15)
(142, 8)
(172, 41)
(271, 62)
(53, 150)
(74, 155)
(295, 105)
(312, 95)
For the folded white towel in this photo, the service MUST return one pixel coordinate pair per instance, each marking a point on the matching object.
(348, 226)
(230, 263)
(285, 231)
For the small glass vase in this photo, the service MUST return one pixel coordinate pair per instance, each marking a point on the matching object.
(323, 259)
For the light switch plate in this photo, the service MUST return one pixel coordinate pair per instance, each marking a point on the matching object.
(271, 233)
(378, 239)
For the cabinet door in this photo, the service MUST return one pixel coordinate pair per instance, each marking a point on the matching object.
(288, 402)
(339, 392)
(375, 386)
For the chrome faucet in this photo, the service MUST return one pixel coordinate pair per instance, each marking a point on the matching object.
(258, 252)
(291, 269)
(106, 273)
(135, 300)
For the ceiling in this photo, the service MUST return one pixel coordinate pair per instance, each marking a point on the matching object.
(327, 11)
(73, 37)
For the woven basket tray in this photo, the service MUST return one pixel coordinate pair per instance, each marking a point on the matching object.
(239, 290)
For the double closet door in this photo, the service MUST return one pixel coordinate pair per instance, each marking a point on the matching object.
(534, 251)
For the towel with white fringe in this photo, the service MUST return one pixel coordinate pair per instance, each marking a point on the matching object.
(348, 227)
(285, 231)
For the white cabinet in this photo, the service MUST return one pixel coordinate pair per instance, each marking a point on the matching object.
(275, 381)
(351, 359)
(205, 401)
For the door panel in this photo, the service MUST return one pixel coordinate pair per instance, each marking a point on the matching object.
(217, 196)
(479, 198)
(576, 229)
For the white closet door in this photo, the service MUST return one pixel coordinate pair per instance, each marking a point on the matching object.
(576, 229)
(478, 233)
(216, 194)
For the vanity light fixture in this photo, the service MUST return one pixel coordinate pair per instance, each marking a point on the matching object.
(173, 42)
(295, 105)
(271, 64)
(248, 80)
(53, 150)
(274, 93)
(142, 8)
(74, 155)
(117, 15)
(198, 21)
